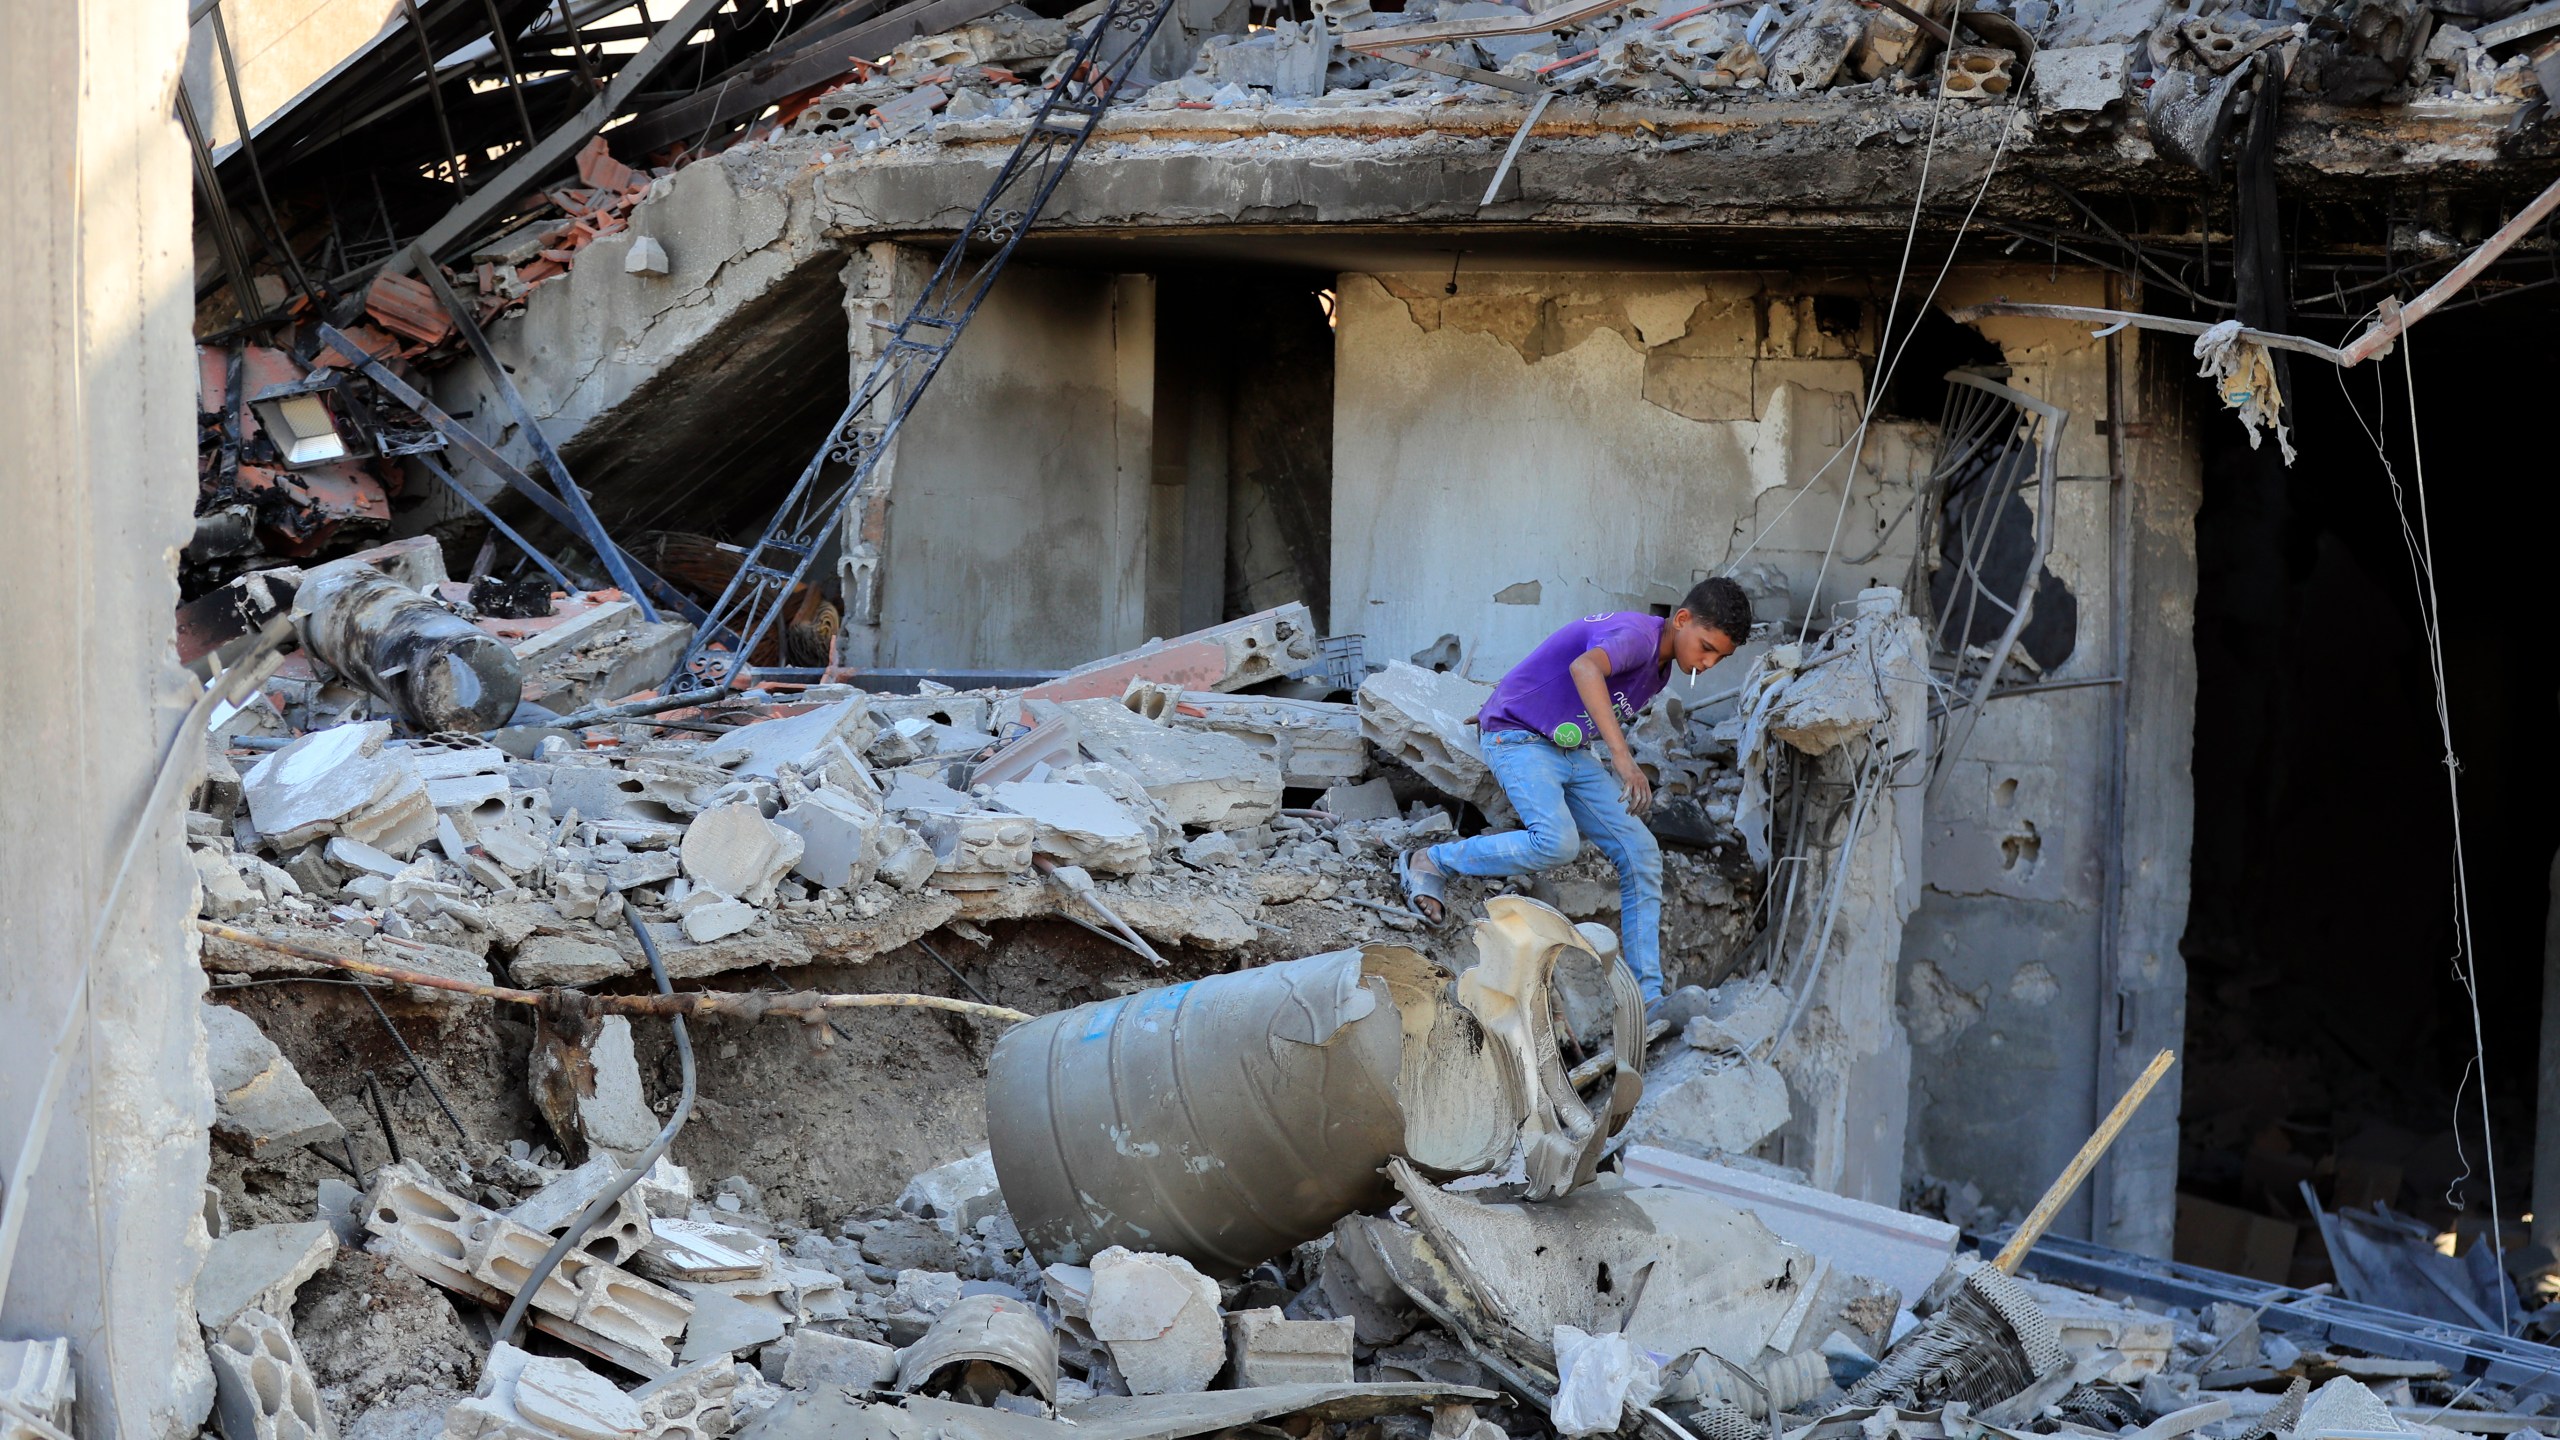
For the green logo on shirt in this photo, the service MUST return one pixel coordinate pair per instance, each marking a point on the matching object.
(1568, 735)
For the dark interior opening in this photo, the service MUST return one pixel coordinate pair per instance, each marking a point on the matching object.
(1243, 513)
(2328, 1037)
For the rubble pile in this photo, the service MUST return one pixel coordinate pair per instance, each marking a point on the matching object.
(826, 822)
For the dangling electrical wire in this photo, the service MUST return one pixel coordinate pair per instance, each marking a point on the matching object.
(2420, 544)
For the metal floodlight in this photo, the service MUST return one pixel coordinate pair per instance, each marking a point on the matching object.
(297, 417)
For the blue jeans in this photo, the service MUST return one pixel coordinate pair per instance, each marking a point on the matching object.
(1565, 797)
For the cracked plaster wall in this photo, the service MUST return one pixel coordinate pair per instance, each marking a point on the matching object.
(1543, 446)
(2019, 1042)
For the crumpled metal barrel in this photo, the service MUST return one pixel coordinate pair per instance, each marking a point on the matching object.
(1225, 1120)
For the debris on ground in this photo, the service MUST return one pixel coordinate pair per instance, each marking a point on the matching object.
(1354, 1175)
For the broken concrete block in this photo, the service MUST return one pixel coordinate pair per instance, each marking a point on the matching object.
(734, 852)
(2075, 84)
(1741, 1016)
(645, 257)
(222, 894)
(260, 1268)
(565, 960)
(568, 633)
(806, 742)
(976, 851)
(260, 1105)
(1203, 779)
(957, 1195)
(1160, 1318)
(1701, 1103)
(723, 1325)
(910, 862)
(340, 781)
(718, 920)
(1222, 658)
(838, 838)
(469, 1248)
(1369, 800)
(817, 1358)
(217, 791)
(262, 1390)
(528, 1397)
(925, 1292)
(2145, 1339)
(1421, 718)
(616, 1117)
(36, 1379)
(1077, 825)
(1316, 743)
(1269, 1350)
(616, 1236)
(1211, 850)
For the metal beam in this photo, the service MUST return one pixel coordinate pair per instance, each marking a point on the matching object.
(588, 525)
(462, 439)
(464, 220)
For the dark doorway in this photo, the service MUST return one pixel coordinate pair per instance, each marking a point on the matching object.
(2328, 1037)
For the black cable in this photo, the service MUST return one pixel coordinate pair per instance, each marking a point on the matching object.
(382, 1113)
(415, 1068)
(597, 1207)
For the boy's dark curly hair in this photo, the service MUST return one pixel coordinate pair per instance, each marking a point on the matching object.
(1720, 602)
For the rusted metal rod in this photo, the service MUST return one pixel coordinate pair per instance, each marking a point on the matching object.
(751, 1005)
(2394, 320)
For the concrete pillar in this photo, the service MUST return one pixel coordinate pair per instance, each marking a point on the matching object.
(97, 398)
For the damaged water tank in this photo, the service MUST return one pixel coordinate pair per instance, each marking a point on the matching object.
(438, 670)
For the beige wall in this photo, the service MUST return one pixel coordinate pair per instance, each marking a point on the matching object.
(281, 46)
(97, 479)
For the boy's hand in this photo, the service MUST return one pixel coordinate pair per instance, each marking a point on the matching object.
(1631, 775)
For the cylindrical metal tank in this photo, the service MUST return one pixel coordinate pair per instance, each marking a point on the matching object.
(1224, 1121)
(439, 670)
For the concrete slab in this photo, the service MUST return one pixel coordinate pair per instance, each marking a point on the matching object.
(1160, 1318)
(1077, 824)
(734, 852)
(261, 1105)
(260, 1268)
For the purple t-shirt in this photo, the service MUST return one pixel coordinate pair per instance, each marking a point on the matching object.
(1538, 695)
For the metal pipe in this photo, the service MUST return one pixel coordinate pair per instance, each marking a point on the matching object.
(633, 710)
(2398, 318)
(435, 94)
(507, 58)
(576, 499)
(481, 508)
(606, 1199)
(226, 236)
(249, 151)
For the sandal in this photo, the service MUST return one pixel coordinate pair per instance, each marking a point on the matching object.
(1420, 887)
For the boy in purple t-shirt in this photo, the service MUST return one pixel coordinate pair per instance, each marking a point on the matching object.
(1584, 683)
